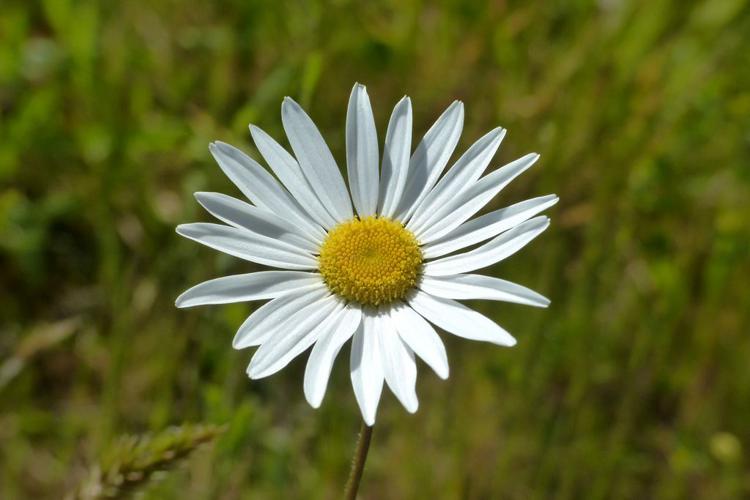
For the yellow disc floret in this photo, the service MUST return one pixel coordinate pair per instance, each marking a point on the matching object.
(372, 260)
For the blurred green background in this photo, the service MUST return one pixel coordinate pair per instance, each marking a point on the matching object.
(633, 384)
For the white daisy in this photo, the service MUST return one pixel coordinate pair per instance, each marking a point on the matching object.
(373, 266)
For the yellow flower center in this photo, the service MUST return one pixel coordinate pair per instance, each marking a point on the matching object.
(372, 260)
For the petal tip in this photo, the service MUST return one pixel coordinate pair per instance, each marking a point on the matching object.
(314, 403)
(253, 372)
(288, 101)
(544, 304)
(314, 398)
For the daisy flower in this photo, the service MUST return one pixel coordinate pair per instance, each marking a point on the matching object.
(382, 263)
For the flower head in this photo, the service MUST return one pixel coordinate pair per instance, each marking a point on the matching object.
(380, 262)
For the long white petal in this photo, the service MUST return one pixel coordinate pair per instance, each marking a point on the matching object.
(362, 152)
(456, 318)
(396, 154)
(421, 337)
(237, 213)
(324, 352)
(290, 174)
(246, 287)
(248, 245)
(268, 318)
(399, 367)
(463, 206)
(430, 158)
(487, 226)
(493, 251)
(476, 286)
(298, 333)
(259, 186)
(367, 366)
(459, 177)
(316, 160)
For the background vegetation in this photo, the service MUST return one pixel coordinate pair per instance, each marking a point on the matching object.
(635, 382)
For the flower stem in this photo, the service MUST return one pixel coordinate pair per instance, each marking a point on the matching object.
(358, 462)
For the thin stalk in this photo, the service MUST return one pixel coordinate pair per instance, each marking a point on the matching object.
(358, 462)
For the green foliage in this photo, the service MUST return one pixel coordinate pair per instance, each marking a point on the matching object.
(134, 461)
(633, 384)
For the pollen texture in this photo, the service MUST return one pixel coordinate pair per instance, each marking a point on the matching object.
(372, 260)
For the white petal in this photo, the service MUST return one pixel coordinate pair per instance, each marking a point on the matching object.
(487, 226)
(367, 366)
(419, 335)
(237, 213)
(324, 352)
(362, 152)
(290, 174)
(395, 158)
(463, 206)
(462, 175)
(268, 318)
(297, 334)
(456, 318)
(398, 365)
(316, 160)
(476, 286)
(259, 186)
(430, 158)
(248, 245)
(245, 287)
(493, 251)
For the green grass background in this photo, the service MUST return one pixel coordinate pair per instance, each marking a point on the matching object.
(633, 384)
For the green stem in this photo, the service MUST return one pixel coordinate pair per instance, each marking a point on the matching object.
(358, 462)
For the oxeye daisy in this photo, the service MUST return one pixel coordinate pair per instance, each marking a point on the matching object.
(382, 262)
